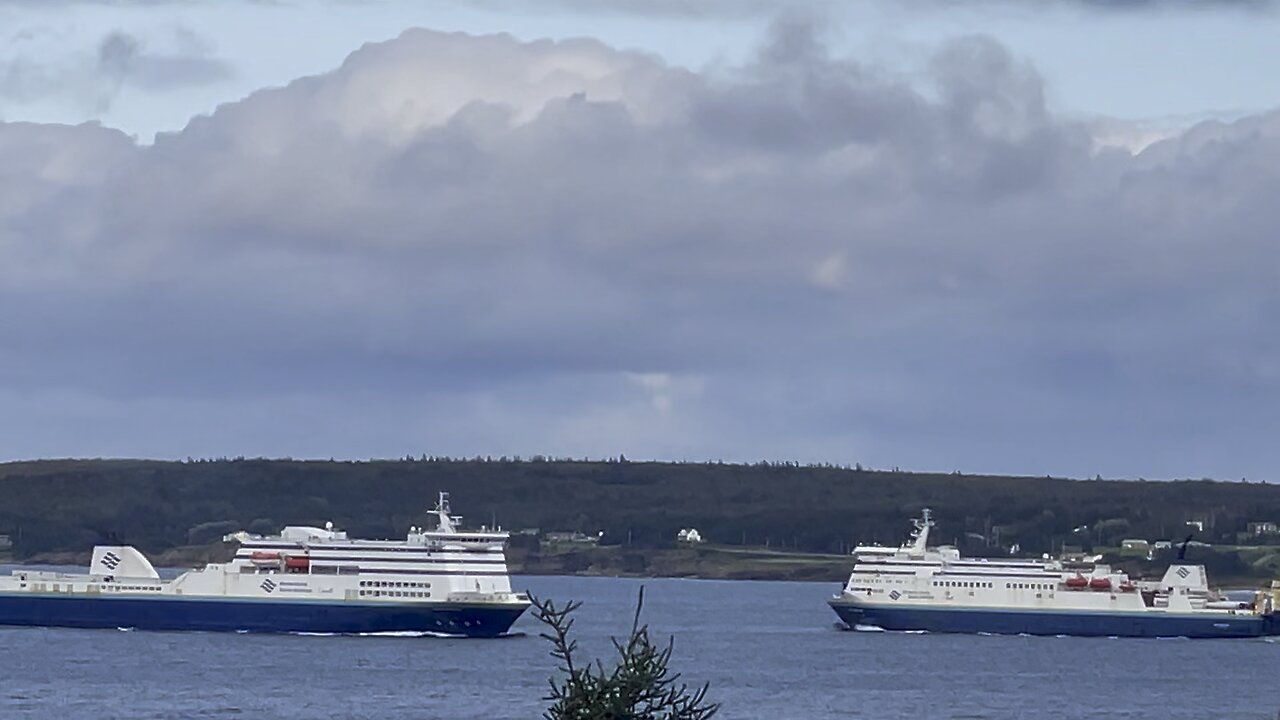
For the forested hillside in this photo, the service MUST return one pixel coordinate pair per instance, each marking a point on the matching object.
(69, 505)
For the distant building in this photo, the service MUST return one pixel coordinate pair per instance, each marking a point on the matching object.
(1072, 554)
(689, 535)
(5, 543)
(572, 537)
(1197, 524)
(1163, 545)
(1135, 544)
(1263, 528)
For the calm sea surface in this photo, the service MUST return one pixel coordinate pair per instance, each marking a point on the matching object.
(769, 650)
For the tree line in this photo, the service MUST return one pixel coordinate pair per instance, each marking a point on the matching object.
(69, 505)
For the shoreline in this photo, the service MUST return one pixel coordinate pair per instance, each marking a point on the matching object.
(702, 562)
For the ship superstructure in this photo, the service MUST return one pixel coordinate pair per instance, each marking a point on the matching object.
(918, 587)
(306, 579)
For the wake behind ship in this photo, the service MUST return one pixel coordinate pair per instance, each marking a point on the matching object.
(921, 588)
(305, 579)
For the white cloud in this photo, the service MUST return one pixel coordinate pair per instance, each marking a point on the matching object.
(492, 247)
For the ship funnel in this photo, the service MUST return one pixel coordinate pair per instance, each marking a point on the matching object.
(121, 561)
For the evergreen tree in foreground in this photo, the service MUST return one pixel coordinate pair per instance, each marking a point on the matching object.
(639, 687)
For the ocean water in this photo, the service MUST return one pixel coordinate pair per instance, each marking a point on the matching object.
(768, 649)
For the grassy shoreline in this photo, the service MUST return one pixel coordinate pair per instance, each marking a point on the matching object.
(709, 562)
(722, 563)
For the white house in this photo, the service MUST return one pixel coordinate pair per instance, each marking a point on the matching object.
(689, 535)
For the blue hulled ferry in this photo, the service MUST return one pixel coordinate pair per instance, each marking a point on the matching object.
(920, 588)
(306, 579)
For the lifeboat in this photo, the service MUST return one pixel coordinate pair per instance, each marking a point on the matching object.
(297, 563)
(1100, 583)
(1076, 582)
(1127, 587)
(264, 558)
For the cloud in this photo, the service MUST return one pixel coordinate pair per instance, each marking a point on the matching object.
(720, 9)
(458, 244)
(120, 60)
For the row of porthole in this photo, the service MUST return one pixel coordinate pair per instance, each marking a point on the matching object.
(957, 583)
(394, 593)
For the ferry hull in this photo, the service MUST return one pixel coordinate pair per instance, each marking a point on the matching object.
(247, 615)
(1042, 622)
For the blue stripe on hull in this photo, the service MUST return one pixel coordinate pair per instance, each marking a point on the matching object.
(170, 613)
(1039, 622)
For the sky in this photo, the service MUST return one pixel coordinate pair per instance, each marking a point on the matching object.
(986, 236)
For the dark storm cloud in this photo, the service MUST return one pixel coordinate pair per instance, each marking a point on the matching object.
(466, 244)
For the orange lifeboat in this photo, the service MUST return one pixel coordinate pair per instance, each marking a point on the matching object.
(1127, 587)
(1077, 582)
(297, 563)
(1100, 583)
(264, 558)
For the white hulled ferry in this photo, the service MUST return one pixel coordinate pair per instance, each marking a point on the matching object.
(306, 579)
(917, 587)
